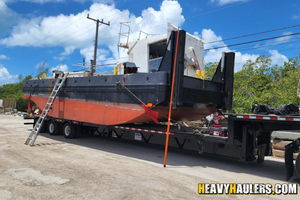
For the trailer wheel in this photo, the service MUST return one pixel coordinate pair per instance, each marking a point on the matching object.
(53, 128)
(261, 156)
(69, 130)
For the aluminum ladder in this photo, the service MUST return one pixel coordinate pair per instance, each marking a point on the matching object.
(36, 129)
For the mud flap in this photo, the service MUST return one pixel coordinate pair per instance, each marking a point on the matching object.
(298, 165)
(288, 157)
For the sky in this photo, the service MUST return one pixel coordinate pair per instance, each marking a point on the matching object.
(57, 32)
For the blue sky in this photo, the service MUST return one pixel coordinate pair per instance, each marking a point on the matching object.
(57, 31)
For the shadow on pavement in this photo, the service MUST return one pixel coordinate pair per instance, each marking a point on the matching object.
(273, 169)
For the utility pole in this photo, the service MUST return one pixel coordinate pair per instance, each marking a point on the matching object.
(83, 64)
(96, 41)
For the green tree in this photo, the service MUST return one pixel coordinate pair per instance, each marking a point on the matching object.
(210, 69)
(14, 91)
(251, 83)
(285, 83)
(260, 83)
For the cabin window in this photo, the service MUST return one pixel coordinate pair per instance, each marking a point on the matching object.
(156, 52)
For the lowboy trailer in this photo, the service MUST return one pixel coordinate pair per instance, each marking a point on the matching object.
(246, 138)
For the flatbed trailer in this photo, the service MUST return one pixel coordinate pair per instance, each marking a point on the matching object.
(246, 138)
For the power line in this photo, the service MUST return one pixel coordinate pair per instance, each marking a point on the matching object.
(253, 34)
(262, 47)
(74, 33)
(276, 49)
(266, 46)
(281, 50)
(112, 59)
(242, 43)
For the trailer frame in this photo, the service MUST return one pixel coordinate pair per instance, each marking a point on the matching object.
(248, 138)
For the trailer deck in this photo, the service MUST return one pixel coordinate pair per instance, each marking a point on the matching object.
(247, 138)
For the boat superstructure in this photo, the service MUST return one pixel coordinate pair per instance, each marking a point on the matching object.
(116, 98)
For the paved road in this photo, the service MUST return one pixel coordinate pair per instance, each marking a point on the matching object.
(102, 168)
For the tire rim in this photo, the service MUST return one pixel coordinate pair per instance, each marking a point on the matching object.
(51, 128)
(67, 130)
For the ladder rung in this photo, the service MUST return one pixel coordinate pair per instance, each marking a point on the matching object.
(34, 132)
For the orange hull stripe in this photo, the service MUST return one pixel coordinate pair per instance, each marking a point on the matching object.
(104, 113)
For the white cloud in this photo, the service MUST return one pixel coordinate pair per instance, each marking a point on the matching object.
(5, 76)
(43, 1)
(214, 55)
(8, 18)
(223, 2)
(61, 67)
(196, 33)
(59, 1)
(63, 55)
(280, 40)
(284, 39)
(99, 1)
(41, 64)
(4, 57)
(88, 53)
(240, 59)
(295, 17)
(79, 34)
(277, 58)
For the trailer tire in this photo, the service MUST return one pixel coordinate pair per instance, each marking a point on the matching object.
(261, 153)
(69, 130)
(53, 128)
(261, 156)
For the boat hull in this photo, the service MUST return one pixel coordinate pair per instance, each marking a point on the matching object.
(107, 113)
